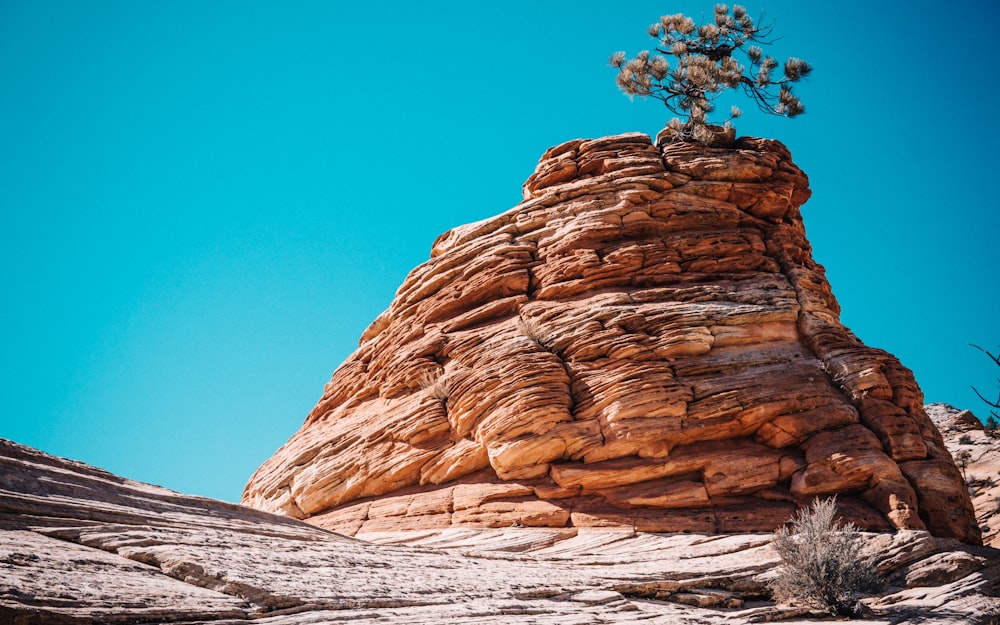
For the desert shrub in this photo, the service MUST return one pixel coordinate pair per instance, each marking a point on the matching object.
(534, 330)
(964, 439)
(822, 562)
(436, 383)
(962, 459)
(992, 427)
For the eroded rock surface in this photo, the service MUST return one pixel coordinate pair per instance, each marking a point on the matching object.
(82, 546)
(978, 458)
(644, 342)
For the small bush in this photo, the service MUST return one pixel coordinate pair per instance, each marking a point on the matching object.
(534, 330)
(964, 439)
(992, 427)
(822, 565)
(962, 459)
(438, 384)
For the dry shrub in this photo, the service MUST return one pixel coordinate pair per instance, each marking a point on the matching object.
(534, 330)
(438, 384)
(822, 562)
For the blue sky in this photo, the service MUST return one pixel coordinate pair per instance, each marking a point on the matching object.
(203, 204)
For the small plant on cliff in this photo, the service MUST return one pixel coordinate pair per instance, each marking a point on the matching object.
(822, 564)
(963, 459)
(438, 384)
(992, 427)
(534, 330)
(706, 66)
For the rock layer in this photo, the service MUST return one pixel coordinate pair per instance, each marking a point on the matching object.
(80, 546)
(644, 341)
(978, 456)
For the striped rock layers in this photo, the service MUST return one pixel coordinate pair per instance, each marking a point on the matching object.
(644, 341)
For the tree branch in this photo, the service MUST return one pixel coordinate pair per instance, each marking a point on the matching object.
(995, 359)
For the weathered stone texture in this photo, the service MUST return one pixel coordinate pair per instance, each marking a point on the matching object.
(82, 546)
(977, 453)
(644, 341)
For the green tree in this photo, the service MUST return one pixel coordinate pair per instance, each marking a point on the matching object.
(706, 66)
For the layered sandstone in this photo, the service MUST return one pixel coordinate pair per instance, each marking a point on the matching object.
(978, 456)
(645, 341)
(80, 546)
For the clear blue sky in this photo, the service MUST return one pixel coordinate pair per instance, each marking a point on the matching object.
(203, 204)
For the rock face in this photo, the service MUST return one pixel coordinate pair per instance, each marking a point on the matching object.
(80, 546)
(646, 342)
(978, 456)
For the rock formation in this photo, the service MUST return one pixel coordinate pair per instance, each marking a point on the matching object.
(81, 546)
(978, 456)
(646, 342)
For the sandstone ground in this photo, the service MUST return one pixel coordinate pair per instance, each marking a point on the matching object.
(80, 545)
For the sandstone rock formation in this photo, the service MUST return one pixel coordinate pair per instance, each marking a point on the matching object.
(978, 457)
(80, 546)
(646, 342)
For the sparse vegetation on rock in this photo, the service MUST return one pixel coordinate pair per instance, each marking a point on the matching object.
(962, 458)
(992, 427)
(706, 67)
(822, 562)
(81, 545)
(437, 384)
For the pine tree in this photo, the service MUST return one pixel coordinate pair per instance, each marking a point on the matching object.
(706, 66)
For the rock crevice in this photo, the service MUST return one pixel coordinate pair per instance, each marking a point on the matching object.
(644, 341)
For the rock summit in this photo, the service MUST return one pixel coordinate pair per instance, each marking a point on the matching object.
(644, 341)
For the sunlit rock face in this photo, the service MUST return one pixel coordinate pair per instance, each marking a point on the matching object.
(79, 545)
(977, 453)
(644, 341)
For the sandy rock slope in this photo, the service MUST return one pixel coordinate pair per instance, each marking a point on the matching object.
(79, 545)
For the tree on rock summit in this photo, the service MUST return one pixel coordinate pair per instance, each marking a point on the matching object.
(705, 67)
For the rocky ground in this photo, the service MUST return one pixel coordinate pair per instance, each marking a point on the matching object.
(963, 433)
(79, 545)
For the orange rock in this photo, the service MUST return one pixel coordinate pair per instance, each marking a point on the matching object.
(644, 341)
